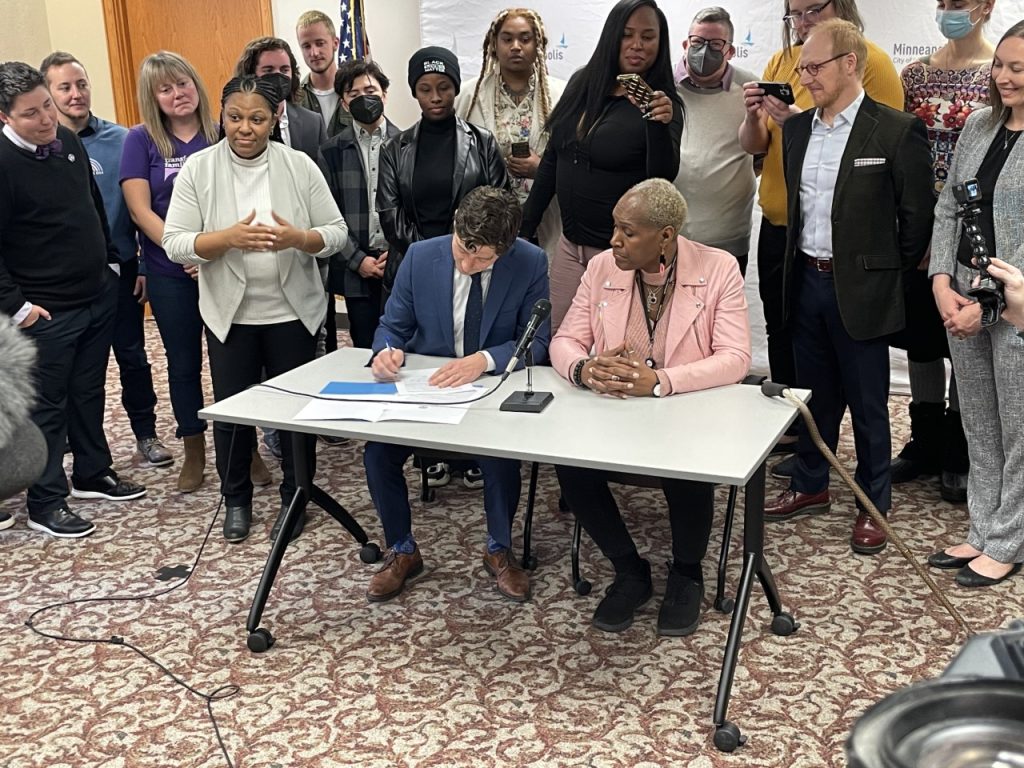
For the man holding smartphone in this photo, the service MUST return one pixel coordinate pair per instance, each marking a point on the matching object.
(716, 175)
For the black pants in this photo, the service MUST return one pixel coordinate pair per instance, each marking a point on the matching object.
(841, 371)
(137, 394)
(236, 364)
(73, 350)
(364, 315)
(771, 256)
(691, 508)
(331, 325)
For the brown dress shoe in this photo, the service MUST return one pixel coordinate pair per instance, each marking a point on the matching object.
(790, 503)
(389, 581)
(513, 581)
(867, 538)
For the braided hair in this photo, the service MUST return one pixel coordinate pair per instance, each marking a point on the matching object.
(269, 87)
(540, 67)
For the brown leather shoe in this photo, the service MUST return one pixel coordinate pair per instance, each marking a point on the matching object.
(867, 538)
(790, 503)
(513, 581)
(389, 581)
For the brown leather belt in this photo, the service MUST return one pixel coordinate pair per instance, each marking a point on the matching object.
(820, 265)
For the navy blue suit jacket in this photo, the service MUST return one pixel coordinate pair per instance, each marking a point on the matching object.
(418, 314)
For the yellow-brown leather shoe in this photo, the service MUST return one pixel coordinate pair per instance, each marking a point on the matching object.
(513, 581)
(389, 581)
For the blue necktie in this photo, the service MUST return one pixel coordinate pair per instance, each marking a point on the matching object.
(43, 151)
(474, 314)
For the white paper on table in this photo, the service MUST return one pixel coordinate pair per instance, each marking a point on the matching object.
(336, 410)
(414, 382)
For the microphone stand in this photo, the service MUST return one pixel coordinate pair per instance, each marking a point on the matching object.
(528, 401)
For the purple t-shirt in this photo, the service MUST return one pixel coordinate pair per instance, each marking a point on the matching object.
(141, 159)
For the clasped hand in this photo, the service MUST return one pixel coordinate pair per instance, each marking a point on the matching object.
(246, 236)
(620, 373)
(960, 315)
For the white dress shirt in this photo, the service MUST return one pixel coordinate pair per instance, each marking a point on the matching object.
(460, 298)
(818, 177)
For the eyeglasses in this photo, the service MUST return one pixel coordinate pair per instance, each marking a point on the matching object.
(807, 17)
(716, 43)
(814, 69)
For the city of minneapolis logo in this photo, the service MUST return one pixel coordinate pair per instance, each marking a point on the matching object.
(748, 40)
(558, 52)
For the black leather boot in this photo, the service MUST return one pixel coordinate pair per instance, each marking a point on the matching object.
(237, 521)
(922, 455)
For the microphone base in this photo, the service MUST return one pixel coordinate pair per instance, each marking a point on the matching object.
(527, 402)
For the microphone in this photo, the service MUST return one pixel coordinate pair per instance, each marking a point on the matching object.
(538, 315)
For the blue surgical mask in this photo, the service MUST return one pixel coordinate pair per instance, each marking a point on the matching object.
(955, 24)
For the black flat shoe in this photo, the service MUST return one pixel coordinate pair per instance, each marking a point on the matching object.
(941, 559)
(967, 577)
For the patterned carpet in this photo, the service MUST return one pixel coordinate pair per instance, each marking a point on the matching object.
(449, 674)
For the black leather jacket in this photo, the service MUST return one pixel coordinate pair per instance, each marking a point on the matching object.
(478, 162)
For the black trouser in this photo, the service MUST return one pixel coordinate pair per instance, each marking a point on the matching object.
(364, 315)
(691, 508)
(71, 372)
(237, 363)
(771, 257)
(331, 325)
(137, 394)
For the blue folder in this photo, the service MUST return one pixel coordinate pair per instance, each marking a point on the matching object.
(360, 388)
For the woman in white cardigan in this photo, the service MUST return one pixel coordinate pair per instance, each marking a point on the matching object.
(254, 216)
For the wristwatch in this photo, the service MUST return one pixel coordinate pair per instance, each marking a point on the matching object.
(657, 390)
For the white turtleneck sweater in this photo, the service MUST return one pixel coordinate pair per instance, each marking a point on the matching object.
(263, 302)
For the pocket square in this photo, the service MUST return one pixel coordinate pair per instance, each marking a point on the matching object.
(860, 162)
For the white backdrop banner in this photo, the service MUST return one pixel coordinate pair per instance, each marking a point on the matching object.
(905, 30)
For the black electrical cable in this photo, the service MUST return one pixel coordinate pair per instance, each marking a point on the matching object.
(220, 694)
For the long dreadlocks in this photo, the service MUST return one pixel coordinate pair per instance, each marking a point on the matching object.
(540, 65)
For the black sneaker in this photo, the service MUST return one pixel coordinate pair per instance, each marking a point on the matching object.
(680, 610)
(627, 593)
(106, 486)
(60, 522)
(6, 520)
(473, 478)
(438, 475)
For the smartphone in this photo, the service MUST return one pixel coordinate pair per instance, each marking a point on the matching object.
(638, 88)
(520, 149)
(781, 91)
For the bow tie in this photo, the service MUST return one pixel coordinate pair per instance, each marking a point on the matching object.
(43, 151)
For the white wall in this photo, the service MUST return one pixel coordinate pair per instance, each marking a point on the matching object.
(394, 30)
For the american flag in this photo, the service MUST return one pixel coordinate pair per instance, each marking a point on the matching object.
(353, 42)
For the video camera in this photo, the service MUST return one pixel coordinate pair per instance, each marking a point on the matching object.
(970, 717)
(989, 291)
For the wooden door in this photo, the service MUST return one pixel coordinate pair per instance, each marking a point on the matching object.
(209, 34)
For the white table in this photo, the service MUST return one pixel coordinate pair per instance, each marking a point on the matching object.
(721, 435)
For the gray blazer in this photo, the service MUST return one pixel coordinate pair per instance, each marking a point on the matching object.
(204, 201)
(306, 130)
(1007, 202)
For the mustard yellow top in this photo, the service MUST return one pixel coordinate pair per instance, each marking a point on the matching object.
(881, 82)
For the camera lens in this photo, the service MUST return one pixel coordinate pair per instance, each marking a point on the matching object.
(945, 723)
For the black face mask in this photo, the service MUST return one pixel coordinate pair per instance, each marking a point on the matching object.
(366, 109)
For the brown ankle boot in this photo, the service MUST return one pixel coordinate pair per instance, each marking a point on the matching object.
(194, 466)
(258, 471)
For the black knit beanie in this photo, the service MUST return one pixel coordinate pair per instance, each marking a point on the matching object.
(434, 61)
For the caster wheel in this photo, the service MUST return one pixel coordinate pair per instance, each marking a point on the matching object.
(784, 625)
(724, 604)
(530, 563)
(727, 737)
(370, 553)
(260, 640)
(582, 587)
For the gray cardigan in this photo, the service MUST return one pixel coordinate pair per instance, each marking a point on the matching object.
(1007, 203)
(204, 201)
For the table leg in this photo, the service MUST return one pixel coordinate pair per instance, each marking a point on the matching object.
(529, 562)
(260, 639)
